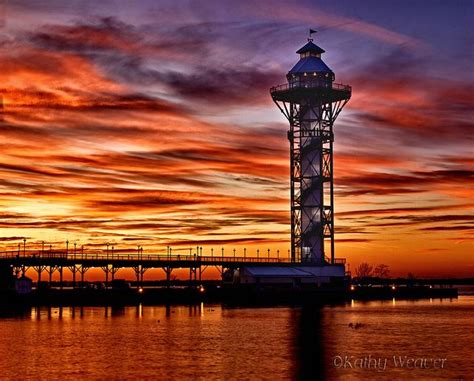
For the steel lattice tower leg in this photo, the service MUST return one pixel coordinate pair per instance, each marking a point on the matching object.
(311, 177)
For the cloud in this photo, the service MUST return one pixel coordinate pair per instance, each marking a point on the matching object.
(396, 98)
(413, 222)
(412, 182)
(433, 218)
(230, 241)
(449, 228)
(294, 13)
(225, 86)
(161, 200)
(400, 211)
(31, 99)
(96, 35)
(128, 54)
(7, 239)
(354, 240)
(346, 229)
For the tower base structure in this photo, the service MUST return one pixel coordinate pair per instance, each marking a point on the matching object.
(294, 276)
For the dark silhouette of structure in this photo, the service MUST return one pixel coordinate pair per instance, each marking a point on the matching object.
(311, 102)
(78, 263)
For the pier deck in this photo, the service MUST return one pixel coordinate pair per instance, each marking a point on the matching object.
(78, 263)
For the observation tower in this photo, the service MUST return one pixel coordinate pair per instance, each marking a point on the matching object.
(311, 101)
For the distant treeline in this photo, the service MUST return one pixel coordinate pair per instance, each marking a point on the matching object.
(410, 280)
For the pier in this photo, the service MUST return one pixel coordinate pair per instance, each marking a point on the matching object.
(193, 289)
(79, 262)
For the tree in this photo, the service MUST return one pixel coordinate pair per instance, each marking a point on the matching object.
(381, 271)
(364, 270)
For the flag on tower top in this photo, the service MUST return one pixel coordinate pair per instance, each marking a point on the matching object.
(311, 31)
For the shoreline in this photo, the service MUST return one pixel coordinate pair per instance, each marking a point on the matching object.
(248, 296)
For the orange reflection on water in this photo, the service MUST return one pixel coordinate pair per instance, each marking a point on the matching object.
(214, 342)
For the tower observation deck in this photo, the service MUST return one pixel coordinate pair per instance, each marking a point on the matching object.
(311, 102)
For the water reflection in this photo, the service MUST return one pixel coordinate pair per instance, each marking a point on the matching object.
(139, 311)
(214, 342)
(117, 311)
(309, 339)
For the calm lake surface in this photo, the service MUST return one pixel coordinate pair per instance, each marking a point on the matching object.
(211, 342)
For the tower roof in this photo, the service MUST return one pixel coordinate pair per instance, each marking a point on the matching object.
(310, 47)
(310, 60)
(310, 65)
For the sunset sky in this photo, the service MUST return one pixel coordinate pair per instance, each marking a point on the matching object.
(150, 123)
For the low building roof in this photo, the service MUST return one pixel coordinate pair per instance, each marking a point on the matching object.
(279, 271)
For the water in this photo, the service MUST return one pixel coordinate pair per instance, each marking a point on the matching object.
(212, 342)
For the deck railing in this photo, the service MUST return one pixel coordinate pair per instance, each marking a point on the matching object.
(140, 257)
(310, 85)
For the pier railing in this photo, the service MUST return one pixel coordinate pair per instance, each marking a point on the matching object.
(139, 256)
(33, 254)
